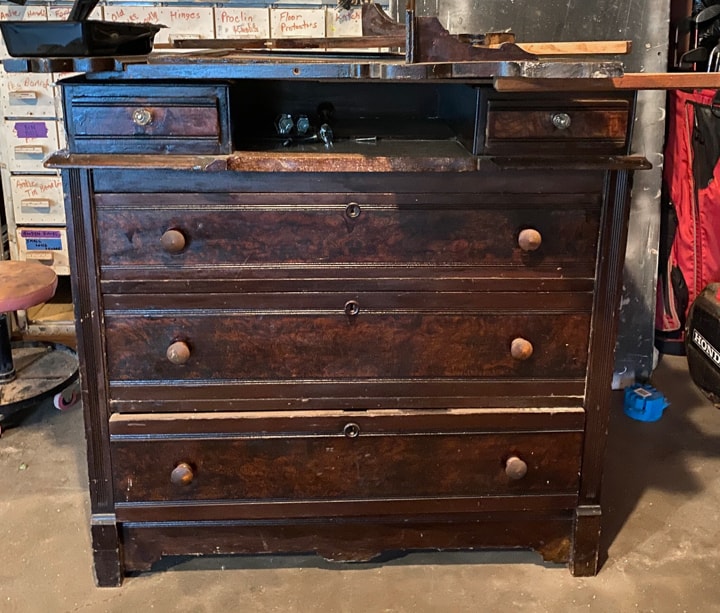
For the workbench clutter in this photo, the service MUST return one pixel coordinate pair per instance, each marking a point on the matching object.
(697, 38)
(78, 36)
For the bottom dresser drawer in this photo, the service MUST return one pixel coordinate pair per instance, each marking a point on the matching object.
(254, 465)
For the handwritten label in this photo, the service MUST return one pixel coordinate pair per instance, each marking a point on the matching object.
(42, 240)
(132, 14)
(185, 22)
(242, 23)
(43, 244)
(36, 187)
(22, 82)
(297, 23)
(31, 129)
(27, 13)
(344, 23)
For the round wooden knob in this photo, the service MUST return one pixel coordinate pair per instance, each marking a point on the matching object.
(521, 349)
(173, 241)
(182, 474)
(529, 239)
(515, 468)
(178, 352)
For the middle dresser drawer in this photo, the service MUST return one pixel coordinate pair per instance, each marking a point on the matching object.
(323, 336)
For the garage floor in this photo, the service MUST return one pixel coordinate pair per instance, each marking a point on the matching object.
(661, 517)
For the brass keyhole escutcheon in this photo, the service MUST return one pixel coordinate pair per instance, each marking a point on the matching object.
(351, 430)
(352, 308)
(353, 210)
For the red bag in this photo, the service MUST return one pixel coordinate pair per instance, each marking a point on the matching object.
(690, 237)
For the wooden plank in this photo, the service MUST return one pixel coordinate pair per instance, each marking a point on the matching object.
(631, 81)
(590, 47)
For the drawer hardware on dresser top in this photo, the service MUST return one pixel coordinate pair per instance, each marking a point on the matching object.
(141, 117)
(400, 342)
(561, 121)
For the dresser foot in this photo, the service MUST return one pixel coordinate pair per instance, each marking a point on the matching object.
(106, 551)
(586, 541)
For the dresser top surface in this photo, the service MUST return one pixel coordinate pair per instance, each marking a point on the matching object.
(228, 64)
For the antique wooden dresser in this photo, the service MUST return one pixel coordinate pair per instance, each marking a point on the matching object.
(341, 307)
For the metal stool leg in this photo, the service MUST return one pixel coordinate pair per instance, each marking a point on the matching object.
(7, 369)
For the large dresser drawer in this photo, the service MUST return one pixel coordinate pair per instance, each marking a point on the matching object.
(560, 126)
(298, 337)
(139, 119)
(434, 460)
(254, 231)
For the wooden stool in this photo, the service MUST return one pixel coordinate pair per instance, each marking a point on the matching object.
(29, 371)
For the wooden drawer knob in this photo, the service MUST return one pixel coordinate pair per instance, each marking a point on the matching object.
(515, 468)
(521, 349)
(173, 241)
(178, 352)
(182, 474)
(529, 239)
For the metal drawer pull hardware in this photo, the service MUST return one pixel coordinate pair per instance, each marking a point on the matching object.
(173, 241)
(529, 239)
(182, 474)
(141, 117)
(521, 349)
(178, 353)
(351, 430)
(515, 468)
(561, 121)
(352, 210)
(352, 308)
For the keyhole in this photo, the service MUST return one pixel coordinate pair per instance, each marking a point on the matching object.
(351, 430)
(352, 210)
(352, 308)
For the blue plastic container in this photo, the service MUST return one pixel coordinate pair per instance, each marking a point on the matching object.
(644, 403)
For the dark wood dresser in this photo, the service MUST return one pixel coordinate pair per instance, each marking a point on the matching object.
(400, 341)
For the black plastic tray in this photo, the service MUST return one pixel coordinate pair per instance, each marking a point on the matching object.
(77, 38)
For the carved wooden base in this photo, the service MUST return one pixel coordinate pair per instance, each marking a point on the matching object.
(343, 541)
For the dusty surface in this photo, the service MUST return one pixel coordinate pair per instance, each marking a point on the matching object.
(662, 507)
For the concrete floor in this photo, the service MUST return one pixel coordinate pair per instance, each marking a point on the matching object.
(661, 505)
